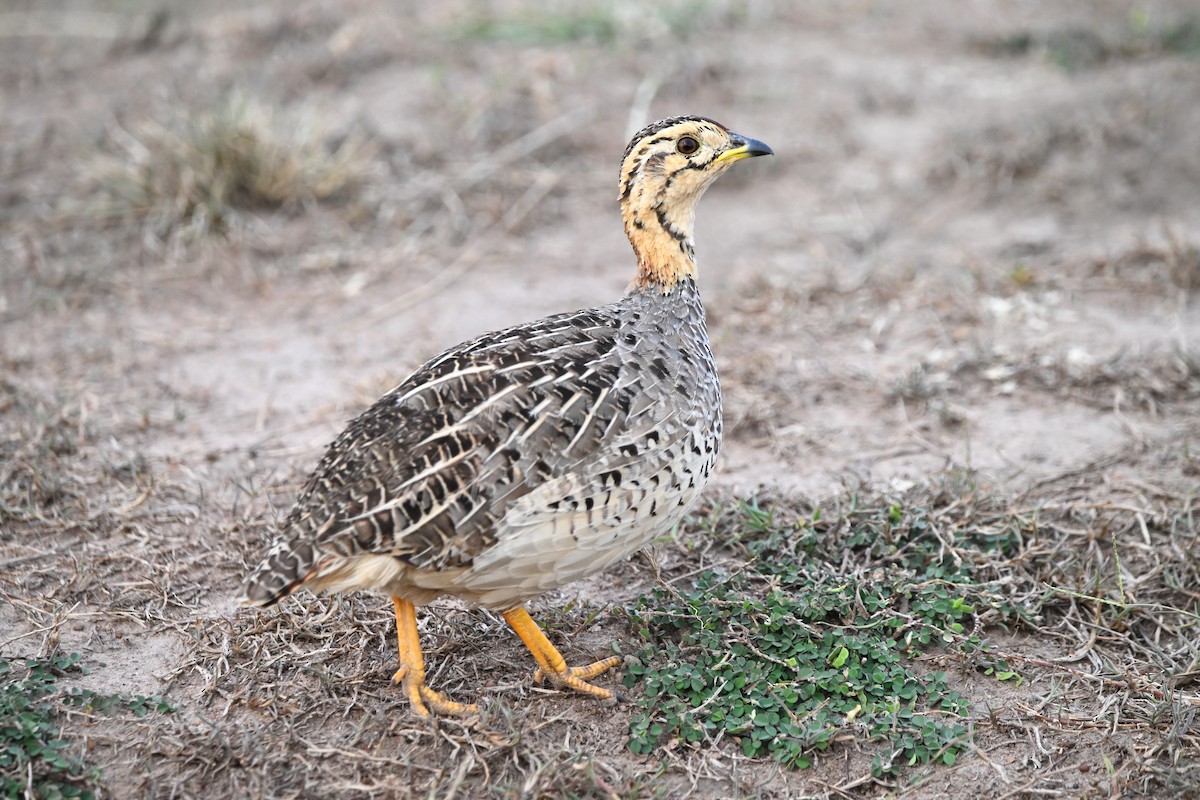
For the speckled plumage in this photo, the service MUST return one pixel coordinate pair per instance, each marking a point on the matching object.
(537, 455)
(517, 462)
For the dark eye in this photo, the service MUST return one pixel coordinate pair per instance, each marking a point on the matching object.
(687, 145)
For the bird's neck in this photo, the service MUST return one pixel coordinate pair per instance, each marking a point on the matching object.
(663, 244)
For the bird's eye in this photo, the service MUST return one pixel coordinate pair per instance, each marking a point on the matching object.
(687, 145)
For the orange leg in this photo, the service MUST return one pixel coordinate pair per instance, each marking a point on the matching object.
(412, 667)
(551, 664)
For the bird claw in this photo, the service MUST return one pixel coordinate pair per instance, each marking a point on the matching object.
(444, 707)
(577, 677)
(422, 698)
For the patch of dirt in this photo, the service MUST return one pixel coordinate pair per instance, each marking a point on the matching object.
(968, 255)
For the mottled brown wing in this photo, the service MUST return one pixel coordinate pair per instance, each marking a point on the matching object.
(426, 472)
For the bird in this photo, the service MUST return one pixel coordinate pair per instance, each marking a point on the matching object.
(533, 456)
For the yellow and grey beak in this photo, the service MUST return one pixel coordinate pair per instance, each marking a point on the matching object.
(744, 147)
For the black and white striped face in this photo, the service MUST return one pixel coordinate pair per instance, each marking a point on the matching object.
(669, 164)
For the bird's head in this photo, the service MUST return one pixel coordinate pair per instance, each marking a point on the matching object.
(666, 169)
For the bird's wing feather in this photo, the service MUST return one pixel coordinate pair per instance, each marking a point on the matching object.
(426, 473)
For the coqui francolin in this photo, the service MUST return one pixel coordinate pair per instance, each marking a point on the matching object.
(534, 456)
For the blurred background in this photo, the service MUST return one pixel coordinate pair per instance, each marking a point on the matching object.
(240, 215)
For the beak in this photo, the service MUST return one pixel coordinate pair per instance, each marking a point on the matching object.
(744, 147)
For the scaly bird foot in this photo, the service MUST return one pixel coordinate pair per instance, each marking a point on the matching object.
(550, 662)
(411, 674)
(422, 698)
(576, 677)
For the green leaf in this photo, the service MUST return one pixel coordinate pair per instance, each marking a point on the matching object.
(839, 658)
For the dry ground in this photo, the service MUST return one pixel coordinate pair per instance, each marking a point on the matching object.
(975, 253)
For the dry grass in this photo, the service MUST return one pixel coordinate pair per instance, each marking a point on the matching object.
(1153, 266)
(296, 700)
(38, 444)
(1153, 382)
(195, 175)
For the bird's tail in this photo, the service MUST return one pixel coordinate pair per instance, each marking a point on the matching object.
(285, 569)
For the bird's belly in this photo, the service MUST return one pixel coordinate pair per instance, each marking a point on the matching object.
(532, 558)
(381, 573)
(526, 560)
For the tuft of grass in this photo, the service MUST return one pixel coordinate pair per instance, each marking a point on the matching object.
(595, 24)
(194, 175)
(815, 639)
(1074, 49)
(600, 23)
(1182, 37)
(35, 753)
